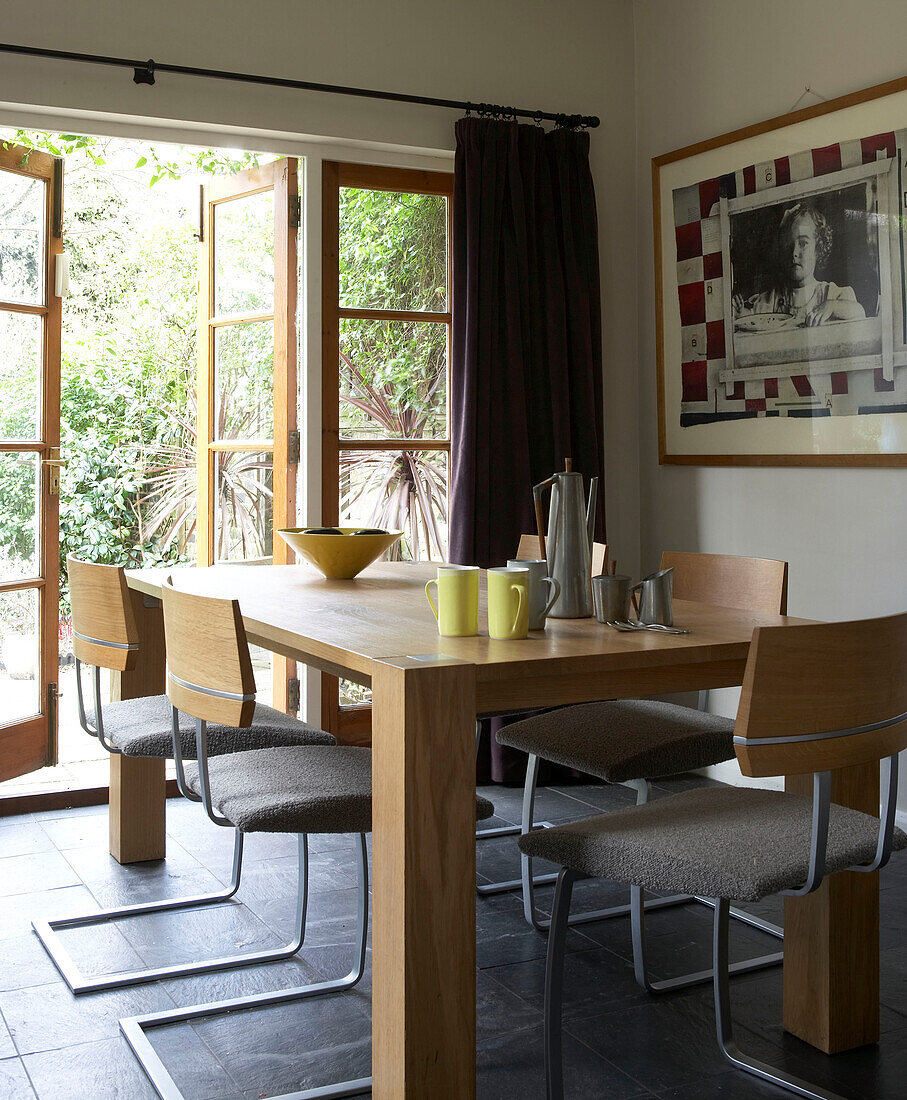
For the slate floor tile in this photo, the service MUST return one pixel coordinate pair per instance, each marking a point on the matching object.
(503, 936)
(19, 874)
(511, 1067)
(190, 935)
(593, 982)
(499, 1009)
(95, 864)
(14, 1082)
(195, 1070)
(18, 911)
(292, 1046)
(733, 1085)
(92, 830)
(24, 962)
(242, 982)
(7, 1047)
(23, 839)
(105, 1070)
(661, 1043)
(46, 1017)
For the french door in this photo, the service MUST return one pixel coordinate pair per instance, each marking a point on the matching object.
(386, 319)
(31, 194)
(248, 442)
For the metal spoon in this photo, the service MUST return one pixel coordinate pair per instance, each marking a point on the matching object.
(657, 626)
(635, 624)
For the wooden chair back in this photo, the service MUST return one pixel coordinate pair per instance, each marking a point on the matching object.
(104, 629)
(823, 696)
(209, 670)
(748, 584)
(529, 548)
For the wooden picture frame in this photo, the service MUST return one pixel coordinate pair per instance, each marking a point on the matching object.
(781, 289)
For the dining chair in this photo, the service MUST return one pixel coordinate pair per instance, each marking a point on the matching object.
(815, 698)
(629, 742)
(529, 548)
(301, 789)
(105, 636)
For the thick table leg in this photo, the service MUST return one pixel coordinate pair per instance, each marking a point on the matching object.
(137, 786)
(424, 981)
(831, 939)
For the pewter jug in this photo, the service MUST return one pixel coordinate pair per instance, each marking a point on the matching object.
(571, 522)
(655, 605)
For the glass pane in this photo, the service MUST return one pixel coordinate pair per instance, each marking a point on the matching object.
(244, 255)
(243, 381)
(398, 490)
(19, 652)
(243, 521)
(393, 380)
(393, 250)
(21, 239)
(353, 694)
(19, 496)
(20, 373)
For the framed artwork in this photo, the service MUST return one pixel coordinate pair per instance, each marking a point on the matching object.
(781, 289)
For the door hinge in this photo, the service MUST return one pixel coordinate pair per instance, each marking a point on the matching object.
(295, 213)
(294, 443)
(293, 697)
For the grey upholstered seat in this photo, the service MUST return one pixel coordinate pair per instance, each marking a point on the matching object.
(297, 790)
(142, 727)
(625, 738)
(716, 842)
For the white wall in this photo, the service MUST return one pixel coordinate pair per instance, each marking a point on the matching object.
(705, 67)
(574, 56)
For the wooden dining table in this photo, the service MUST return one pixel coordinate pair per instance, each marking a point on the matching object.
(379, 631)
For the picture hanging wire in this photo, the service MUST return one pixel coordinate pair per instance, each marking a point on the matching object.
(145, 72)
(807, 90)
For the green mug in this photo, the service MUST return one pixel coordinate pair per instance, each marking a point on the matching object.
(457, 609)
(508, 603)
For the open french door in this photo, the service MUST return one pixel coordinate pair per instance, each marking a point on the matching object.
(31, 199)
(248, 443)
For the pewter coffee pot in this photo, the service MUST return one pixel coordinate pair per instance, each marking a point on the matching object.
(571, 522)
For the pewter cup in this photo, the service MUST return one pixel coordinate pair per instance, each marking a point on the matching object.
(543, 590)
(654, 603)
(611, 594)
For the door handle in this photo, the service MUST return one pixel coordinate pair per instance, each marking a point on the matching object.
(53, 464)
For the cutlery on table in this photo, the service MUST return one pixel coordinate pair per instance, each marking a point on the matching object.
(635, 624)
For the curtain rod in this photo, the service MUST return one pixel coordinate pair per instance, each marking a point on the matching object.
(144, 73)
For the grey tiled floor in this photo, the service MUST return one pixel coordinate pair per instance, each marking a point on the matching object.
(619, 1043)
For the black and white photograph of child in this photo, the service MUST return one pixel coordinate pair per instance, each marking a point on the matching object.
(806, 262)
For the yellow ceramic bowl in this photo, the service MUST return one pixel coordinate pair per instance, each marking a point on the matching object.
(339, 557)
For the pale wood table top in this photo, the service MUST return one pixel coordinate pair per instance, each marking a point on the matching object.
(347, 626)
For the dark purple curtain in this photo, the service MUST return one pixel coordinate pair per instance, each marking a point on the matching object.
(526, 366)
(526, 370)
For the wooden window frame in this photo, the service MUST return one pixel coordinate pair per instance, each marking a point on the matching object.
(352, 724)
(281, 178)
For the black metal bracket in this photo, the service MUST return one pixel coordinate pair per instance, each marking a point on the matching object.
(144, 74)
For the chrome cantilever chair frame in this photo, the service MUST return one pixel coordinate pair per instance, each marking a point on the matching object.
(637, 905)
(136, 1028)
(721, 970)
(47, 930)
